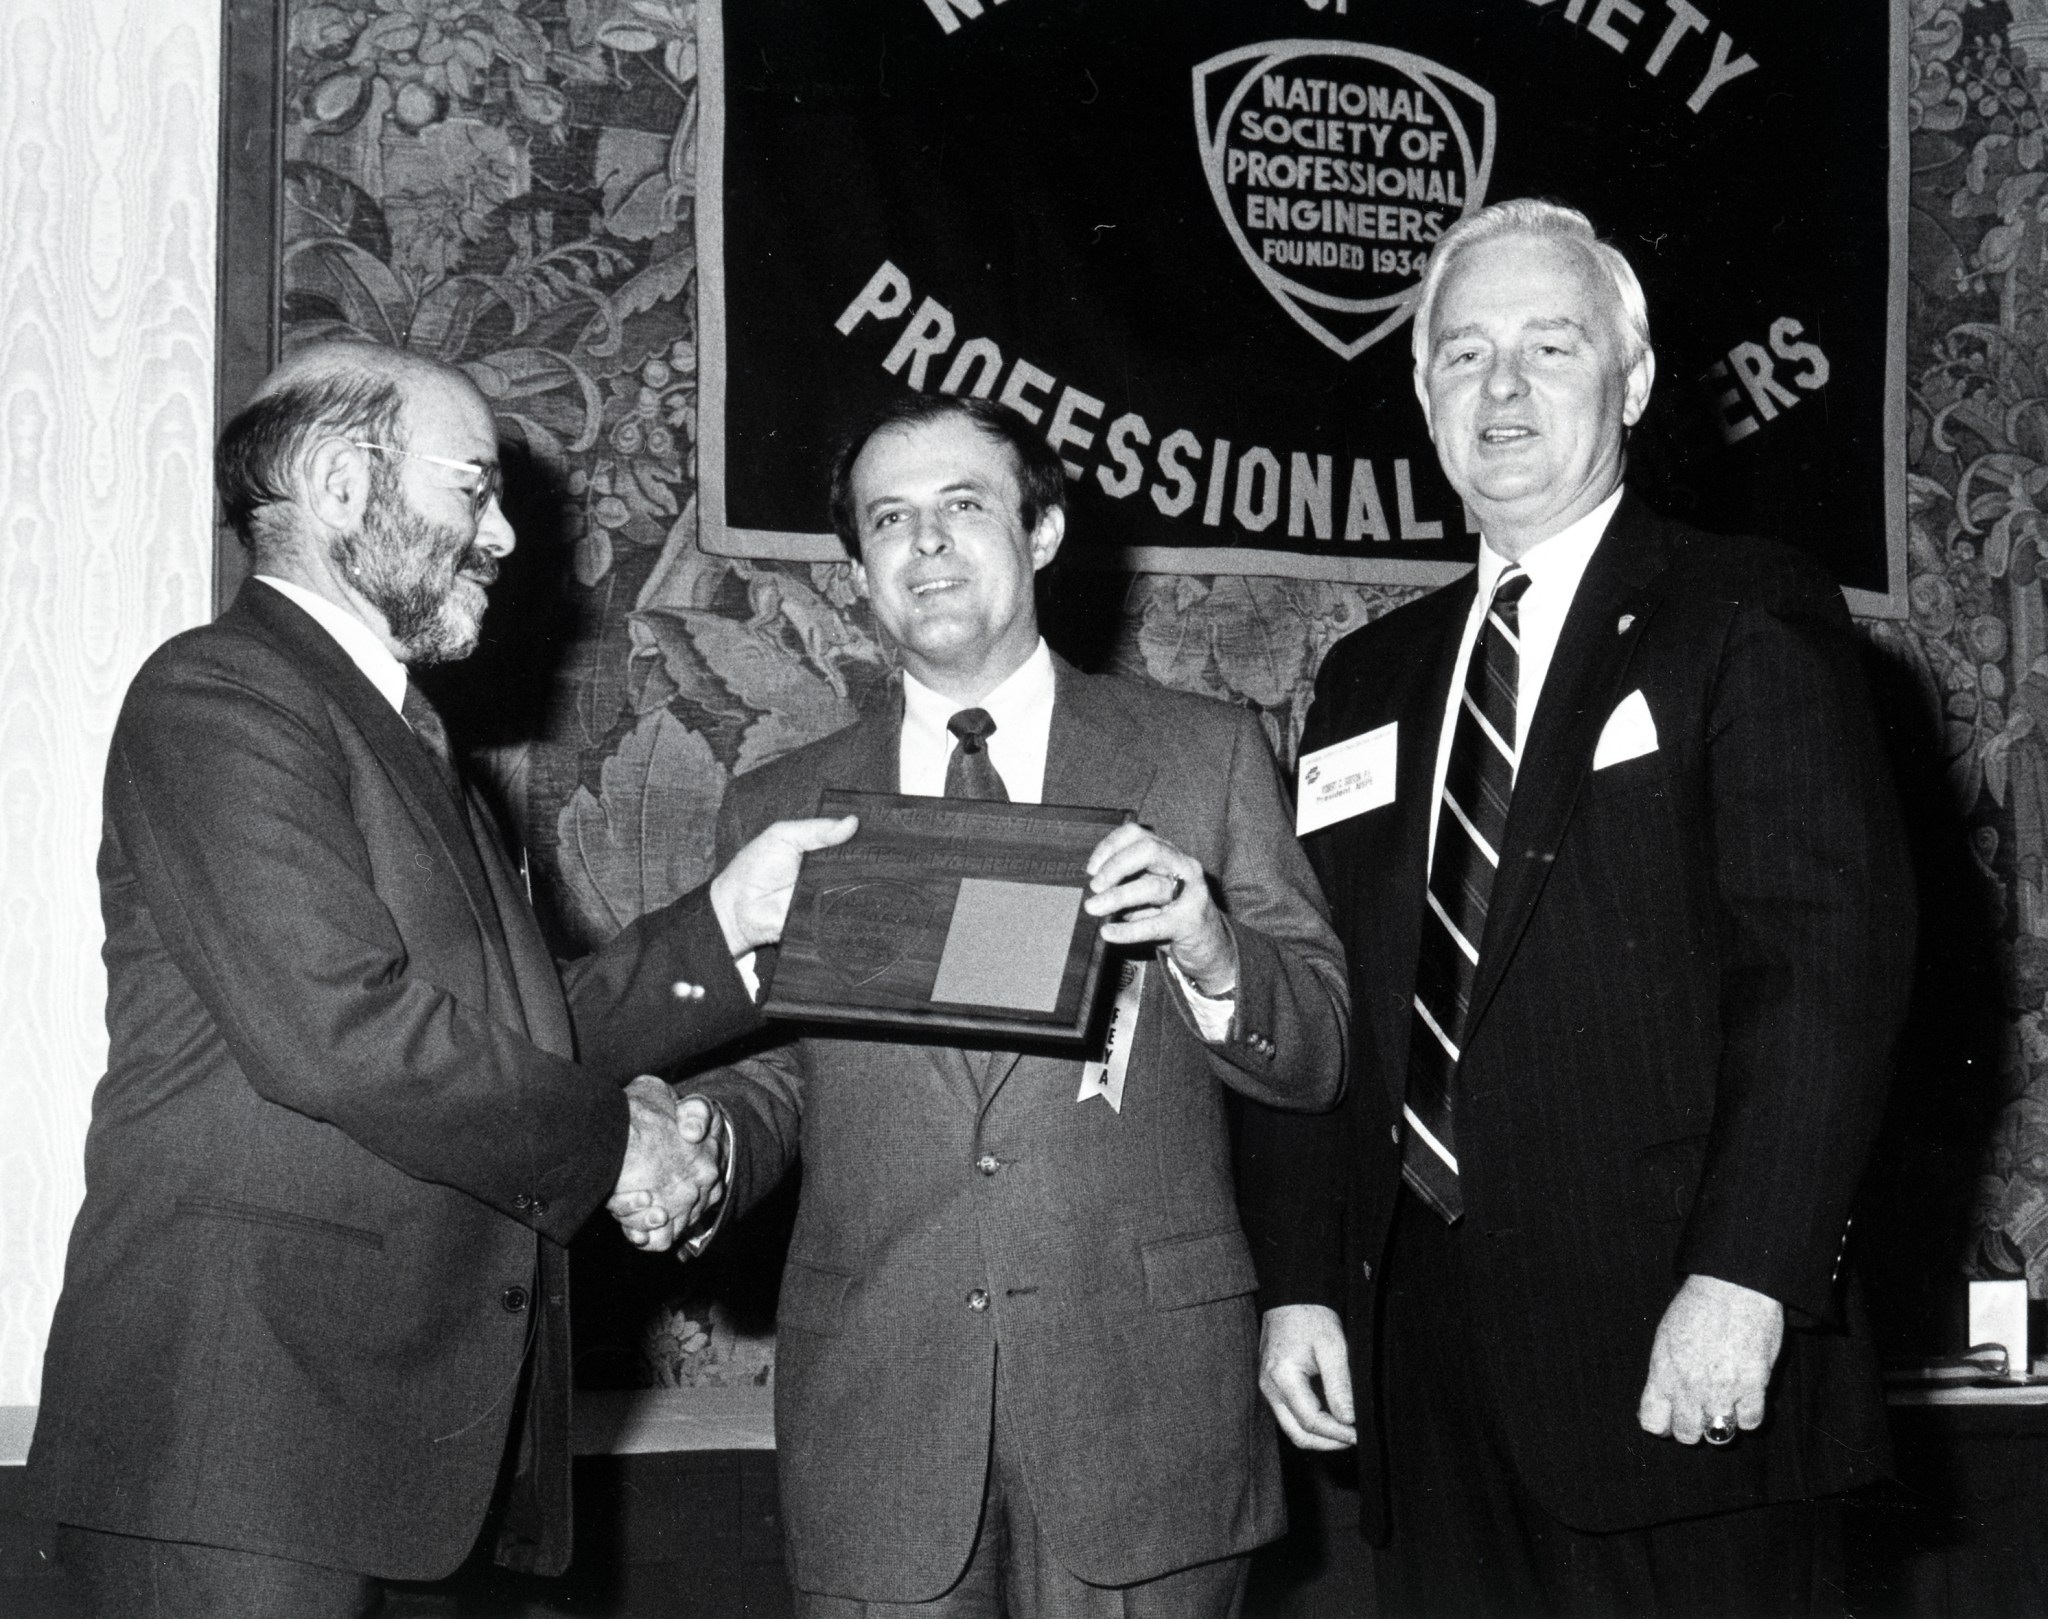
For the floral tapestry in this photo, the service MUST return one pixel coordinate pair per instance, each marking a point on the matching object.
(510, 184)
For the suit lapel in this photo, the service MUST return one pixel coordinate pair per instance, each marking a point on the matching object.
(1098, 755)
(1404, 851)
(867, 757)
(411, 768)
(539, 981)
(1579, 693)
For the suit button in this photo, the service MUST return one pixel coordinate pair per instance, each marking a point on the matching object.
(514, 1300)
(684, 990)
(1394, 1134)
(1366, 1266)
(988, 1163)
(977, 1301)
(521, 1201)
(537, 1205)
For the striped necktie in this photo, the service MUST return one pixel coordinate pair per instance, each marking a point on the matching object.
(1478, 780)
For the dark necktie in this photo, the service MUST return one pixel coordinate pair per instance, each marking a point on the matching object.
(1478, 779)
(426, 724)
(971, 773)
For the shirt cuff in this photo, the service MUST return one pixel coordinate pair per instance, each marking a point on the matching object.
(690, 1247)
(1213, 1015)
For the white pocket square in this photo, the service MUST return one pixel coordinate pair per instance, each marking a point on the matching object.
(1630, 732)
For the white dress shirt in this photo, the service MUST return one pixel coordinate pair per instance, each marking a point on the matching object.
(354, 637)
(1022, 709)
(1554, 567)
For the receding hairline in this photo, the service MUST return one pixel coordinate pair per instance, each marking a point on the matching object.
(358, 361)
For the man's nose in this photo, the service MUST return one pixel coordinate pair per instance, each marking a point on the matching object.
(932, 535)
(493, 532)
(1504, 378)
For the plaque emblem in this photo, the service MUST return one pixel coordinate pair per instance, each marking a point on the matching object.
(1335, 165)
(865, 929)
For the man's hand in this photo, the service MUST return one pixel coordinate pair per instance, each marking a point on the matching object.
(1161, 896)
(671, 1175)
(751, 896)
(1712, 1357)
(1299, 1344)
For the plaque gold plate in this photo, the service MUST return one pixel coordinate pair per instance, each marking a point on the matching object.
(946, 914)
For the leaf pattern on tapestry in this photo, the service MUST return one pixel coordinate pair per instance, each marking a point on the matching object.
(644, 837)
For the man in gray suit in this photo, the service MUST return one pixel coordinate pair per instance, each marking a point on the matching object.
(1016, 1353)
(315, 1309)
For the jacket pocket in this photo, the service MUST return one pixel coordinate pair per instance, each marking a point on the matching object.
(221, 1208)
(813, 1297)
(1184, 1271)
(1668, 1177)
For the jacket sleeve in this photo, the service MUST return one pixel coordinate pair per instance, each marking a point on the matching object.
(635, 1003)
(762, 1093)
(1816, 905)
(1287, 1042)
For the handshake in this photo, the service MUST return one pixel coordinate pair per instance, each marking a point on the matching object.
(673, 1174)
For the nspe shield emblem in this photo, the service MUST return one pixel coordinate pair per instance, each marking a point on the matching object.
(1335, 165)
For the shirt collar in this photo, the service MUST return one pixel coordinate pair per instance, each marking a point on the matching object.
(1024, 698)
(1556, 563)
(353, 636)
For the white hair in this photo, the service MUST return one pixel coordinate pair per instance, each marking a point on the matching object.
(1532, 216)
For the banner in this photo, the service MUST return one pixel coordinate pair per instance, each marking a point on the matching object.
(1183, 238)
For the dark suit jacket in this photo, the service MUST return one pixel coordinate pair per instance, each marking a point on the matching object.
(1694, 966)
(348, 1122)
(1118, 1287)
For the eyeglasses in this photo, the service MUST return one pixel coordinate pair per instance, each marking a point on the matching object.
(490, 481)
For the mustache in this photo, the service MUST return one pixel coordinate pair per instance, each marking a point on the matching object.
(478, 564)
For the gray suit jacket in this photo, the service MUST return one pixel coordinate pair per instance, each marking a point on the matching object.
(350, 1118)
(1118, 1284)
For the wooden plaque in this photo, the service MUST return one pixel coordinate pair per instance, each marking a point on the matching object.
(946, 914)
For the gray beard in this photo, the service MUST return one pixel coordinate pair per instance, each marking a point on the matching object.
(407, 566)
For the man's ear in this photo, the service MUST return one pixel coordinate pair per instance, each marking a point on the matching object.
(336, 483)
(1636, 395)
(1046, 538)
(860, 579)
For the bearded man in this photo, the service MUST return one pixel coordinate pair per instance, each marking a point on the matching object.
(314, 1325)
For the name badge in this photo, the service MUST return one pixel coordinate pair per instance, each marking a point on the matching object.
(1345, 779)
(1106, 1078)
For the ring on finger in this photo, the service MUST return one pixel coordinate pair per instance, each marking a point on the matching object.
(1179, 884)
(1719, 1431)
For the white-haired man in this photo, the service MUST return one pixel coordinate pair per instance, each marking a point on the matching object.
(1629, 922)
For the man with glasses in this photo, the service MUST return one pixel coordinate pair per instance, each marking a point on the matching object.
(314, 1327)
